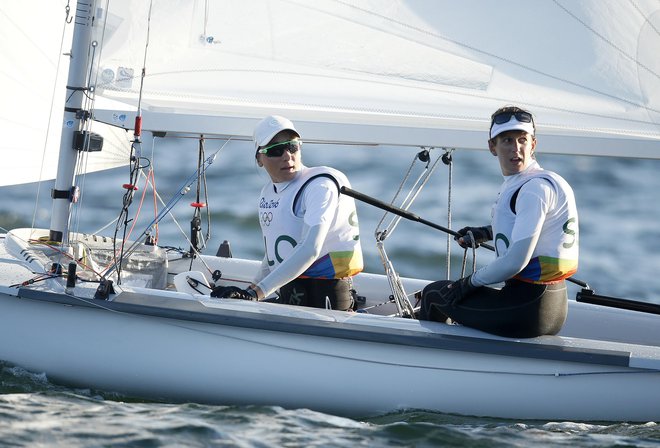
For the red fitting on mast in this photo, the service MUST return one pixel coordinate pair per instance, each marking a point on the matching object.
(138, 126)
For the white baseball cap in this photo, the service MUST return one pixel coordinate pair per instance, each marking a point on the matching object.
(511, 125)
(269, 127)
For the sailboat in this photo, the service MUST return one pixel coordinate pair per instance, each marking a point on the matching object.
(132, 316)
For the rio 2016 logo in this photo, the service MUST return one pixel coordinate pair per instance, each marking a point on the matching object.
(266, 218)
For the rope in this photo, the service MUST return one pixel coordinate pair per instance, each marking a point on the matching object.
(450, 163)
(399, 296)
(474, 255)
(415, 189)
(606, 40)
(198, 242)
(144, 62)
(396, 195)
(67, 20)
(176, 197)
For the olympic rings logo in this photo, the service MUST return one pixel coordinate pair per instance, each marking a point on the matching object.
(266, 218)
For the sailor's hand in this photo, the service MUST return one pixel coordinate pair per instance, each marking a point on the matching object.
(233, 292)
(455, 292)
(479, 234)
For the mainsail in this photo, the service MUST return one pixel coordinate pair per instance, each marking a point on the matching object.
(392, 72)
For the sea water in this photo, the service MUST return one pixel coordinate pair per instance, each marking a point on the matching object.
(36, 413)
(619, 214)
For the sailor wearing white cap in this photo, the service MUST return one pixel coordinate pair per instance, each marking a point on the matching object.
(535, 232)
(310, 231)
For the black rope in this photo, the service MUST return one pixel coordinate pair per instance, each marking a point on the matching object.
(197, 241)
(123, 219)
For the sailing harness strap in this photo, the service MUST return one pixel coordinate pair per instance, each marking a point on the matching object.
(307, 182)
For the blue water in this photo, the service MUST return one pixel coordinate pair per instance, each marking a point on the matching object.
(619, 242)
(34, 412)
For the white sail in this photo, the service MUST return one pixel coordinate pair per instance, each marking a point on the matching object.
(393, 72)
(406, 73)
(31, 69)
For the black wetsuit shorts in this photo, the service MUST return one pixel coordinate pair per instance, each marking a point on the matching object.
(518, 310)
(319, 293)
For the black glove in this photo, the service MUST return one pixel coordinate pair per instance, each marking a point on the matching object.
(232, 292)
(480, 234)
(455, 292)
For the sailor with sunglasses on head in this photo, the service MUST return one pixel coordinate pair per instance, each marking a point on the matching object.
(535, 232)
(310, 231)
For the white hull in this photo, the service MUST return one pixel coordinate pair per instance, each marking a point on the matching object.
(172, 346)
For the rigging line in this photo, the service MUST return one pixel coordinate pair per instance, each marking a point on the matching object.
(407, 201)
(147, 176)
(605, 39)
(92, 79)
(83, 156)
(450, 179)
(207, 207)
(127, 235)
(504, 59)
(30, 38)
(102, 45)
(88, 104)
(135, 169)
(68, 10)
(79, 178)
(52, 104)
(201, 183)
(198, 242)
(158, 198)
(149, 179)
(63, 254)
(89, 91)
(176, 223)
(105, 226)
(206, 17)
(646, 19)
(127, 200)
(144, 62)
(36, 279)
(200, 161)
(168, 207)
(424, 178)
(154, 197)
(396, 194)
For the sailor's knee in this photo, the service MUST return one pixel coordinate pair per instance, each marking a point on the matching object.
(433, 289)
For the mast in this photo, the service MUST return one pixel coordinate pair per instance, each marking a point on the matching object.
(64, 193)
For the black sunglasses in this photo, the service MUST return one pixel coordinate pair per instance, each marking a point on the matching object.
(277, 149)
(504, 117)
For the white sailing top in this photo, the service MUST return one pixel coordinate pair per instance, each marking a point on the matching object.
(535, 230)
(294, 213)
